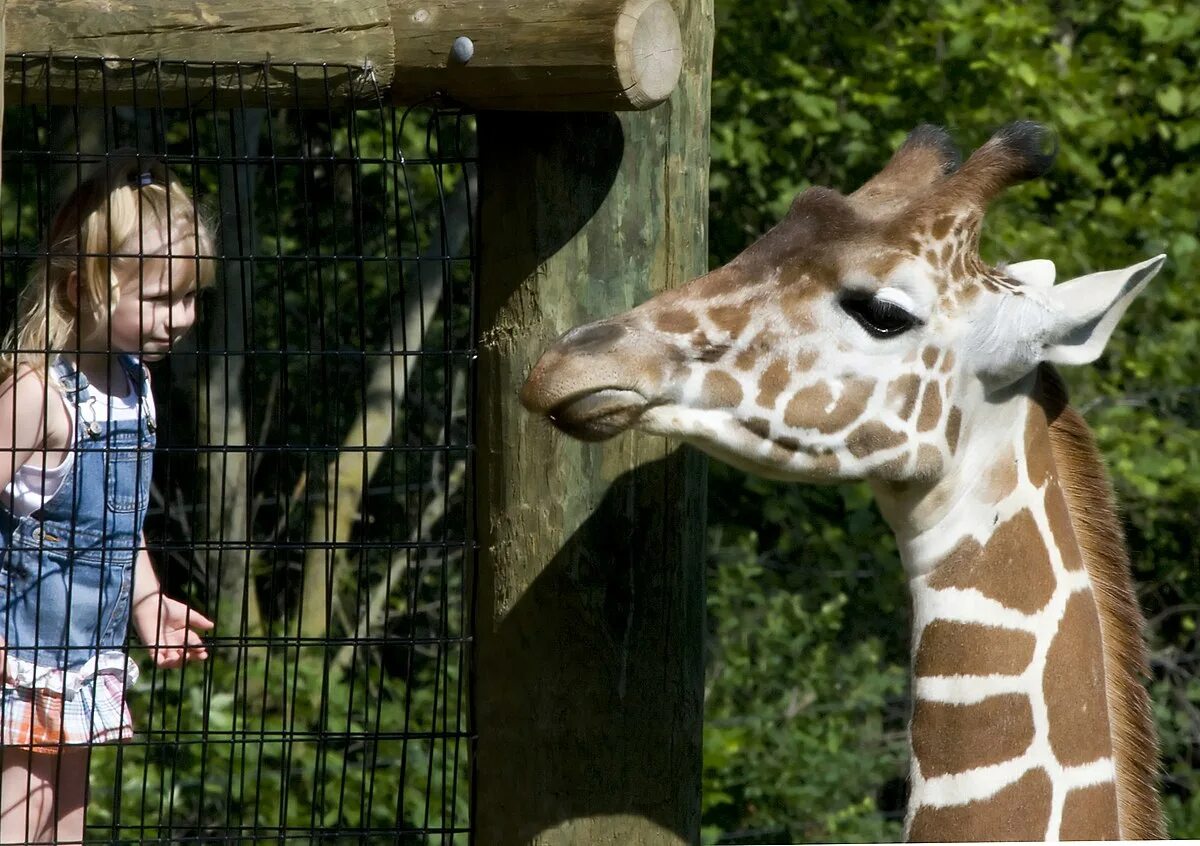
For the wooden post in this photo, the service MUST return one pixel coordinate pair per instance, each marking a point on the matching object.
(590, 615)
(3, 45)
(490, 54)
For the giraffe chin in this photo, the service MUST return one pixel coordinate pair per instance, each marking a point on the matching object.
(599, 415)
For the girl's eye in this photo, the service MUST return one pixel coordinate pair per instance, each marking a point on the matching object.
(881, 318)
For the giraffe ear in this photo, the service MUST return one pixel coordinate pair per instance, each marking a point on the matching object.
(1083, 312)
(1036, 273)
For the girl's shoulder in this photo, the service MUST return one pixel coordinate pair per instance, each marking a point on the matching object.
(36, 405)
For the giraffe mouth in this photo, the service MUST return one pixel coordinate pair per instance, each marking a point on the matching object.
(598, 415)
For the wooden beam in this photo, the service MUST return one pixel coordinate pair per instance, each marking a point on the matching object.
(496, 54)
(590, 609)
(551, 55)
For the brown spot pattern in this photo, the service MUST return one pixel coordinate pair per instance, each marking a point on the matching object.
(872, 436)
(720, 390)
(947, 361)
(950, 648)
(1073, 683)
(1062, 528)
(941, 226)
(676, 320)
(929, 461)
(788, 443)
(779, 454)
(1090, 813)
(796, 305)
(892, 469)
(758, 426)
(953, 427)
(704, 350)
(929, 356)
(956, 738)
(903, 393)
(807, 407)
(1020, 811)
(1038, 458)
(826, 463)
(1013, 568)
(760, 343)
(1002, 476)
(772, 383)
(732, 319)
(931, 408)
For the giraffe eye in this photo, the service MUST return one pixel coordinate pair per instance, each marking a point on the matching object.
(881, 318)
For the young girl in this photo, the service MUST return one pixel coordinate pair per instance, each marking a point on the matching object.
(114, 287)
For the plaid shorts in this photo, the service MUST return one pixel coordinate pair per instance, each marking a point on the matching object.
(44, 720)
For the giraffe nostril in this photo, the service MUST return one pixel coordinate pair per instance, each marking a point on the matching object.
(593, 339)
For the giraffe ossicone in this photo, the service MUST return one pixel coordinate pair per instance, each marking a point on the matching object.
(864, 338)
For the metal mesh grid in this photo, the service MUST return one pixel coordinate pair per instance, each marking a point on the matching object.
(312, 479)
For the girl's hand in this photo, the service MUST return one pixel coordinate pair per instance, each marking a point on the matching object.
(170, 630)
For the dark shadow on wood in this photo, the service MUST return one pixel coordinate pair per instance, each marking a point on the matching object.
(627, 577)
(572, 161)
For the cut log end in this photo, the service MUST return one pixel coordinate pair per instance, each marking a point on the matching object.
(649, 51)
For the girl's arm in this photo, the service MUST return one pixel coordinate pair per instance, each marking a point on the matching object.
(145, 581)
(22, 422)
(167, 627)
(22, 431)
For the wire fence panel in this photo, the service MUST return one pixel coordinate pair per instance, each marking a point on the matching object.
(312, 466)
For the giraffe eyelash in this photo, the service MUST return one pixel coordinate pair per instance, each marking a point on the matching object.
(881, 318)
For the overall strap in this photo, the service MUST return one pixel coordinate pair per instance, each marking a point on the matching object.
(73, 383)
(75, 388)
(136, 372)
(139, 377)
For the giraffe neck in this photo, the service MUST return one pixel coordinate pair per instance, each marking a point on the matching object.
(1010, 735)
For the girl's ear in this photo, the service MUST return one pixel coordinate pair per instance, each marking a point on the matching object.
(75, 296)
(72, 288)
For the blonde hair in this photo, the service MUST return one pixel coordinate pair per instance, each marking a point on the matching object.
(98, 233)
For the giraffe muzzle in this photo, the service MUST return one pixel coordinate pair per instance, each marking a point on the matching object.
(599, 415)
(595, 381)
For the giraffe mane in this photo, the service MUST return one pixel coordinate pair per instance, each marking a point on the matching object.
(1093, 511)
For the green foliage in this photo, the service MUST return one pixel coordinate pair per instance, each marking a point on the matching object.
(283, 740)
(788, 696)
(821, 93)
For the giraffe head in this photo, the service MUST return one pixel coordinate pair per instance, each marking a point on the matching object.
(861, 337)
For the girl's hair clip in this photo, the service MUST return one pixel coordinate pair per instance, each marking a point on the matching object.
(142, 179)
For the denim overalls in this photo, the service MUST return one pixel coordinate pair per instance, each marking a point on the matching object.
(66, 570)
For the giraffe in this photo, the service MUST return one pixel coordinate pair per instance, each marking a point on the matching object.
(863, 338)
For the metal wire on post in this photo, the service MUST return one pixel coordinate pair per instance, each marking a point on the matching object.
(312, 482)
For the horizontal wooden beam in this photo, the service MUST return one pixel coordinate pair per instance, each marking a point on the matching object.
(545, 55)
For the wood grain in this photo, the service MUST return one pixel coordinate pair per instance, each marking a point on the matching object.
(590, 613)
(549, 55)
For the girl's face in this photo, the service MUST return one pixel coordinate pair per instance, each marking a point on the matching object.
(155, 306)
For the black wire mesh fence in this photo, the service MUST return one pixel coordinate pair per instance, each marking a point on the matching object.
(312, 474)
